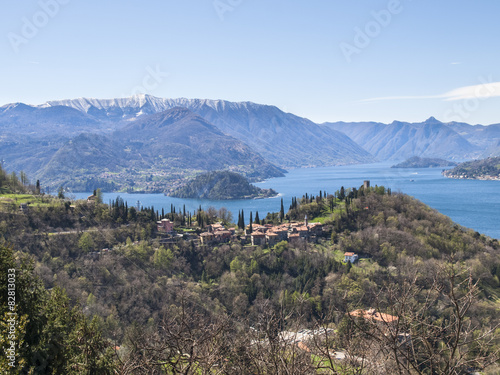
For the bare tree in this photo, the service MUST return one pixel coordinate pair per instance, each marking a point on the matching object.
(417, 327)
(187, 342)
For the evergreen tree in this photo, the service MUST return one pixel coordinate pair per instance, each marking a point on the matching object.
(60, 193)
(282, 211)
(348, 266)
(98, 194)
(250, 228)
(342, 193)
(257, 220)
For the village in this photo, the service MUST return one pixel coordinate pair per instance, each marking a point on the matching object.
(266, 235)
(257, 235)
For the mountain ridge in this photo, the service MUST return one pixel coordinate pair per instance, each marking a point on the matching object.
(152, 154)
(271, 132)
(31, 136)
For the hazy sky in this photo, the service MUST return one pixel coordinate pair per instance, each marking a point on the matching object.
(328, 60)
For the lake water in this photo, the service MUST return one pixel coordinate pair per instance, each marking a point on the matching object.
(472, 203)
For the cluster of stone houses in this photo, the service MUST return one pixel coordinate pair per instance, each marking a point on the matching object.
(261, 235)
(258, 235)
(272, 234)
(217, 233)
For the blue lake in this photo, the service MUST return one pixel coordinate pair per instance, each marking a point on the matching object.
(472, 203)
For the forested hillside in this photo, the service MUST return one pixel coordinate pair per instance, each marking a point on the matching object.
(145, 304)
(221, 185)
(417, 162)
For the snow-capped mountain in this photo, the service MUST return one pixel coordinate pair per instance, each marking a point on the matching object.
(283, 138)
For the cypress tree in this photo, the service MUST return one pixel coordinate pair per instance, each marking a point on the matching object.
(257, 220)
(250, 228)
(282, 211)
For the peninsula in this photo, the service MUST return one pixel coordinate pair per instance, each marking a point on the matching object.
(418, 162)
(221, 185)
(483, 169)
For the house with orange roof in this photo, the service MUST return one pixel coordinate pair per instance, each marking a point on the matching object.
(281, 232)
(303, 231)
(215, 227)
(350, 257)
(374, 316)
(315, 228)
(165, 226)
(206, 238)
(222, 236)
(258, 238)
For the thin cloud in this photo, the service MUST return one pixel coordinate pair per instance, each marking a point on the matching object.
(455, 63)
(483, 91)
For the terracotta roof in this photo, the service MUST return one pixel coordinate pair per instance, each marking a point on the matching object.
(271, 234)
(371, 314)
(303, 346)
(276, 230)
(258, 234)
(222, 232)
(349, 254)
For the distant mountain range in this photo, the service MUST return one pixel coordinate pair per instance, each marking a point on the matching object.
(145, 143)
(431, 138)
(153, 153)
(283, 138)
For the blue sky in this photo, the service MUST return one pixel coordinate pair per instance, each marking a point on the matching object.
(328, 60)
